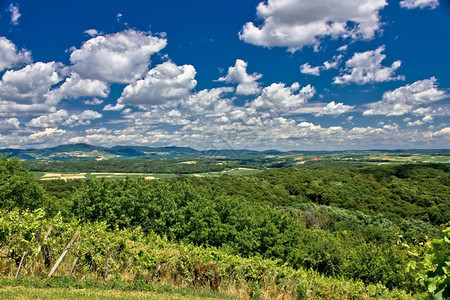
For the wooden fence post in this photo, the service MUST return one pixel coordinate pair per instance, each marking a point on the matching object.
(74, 264)
(63, 254)
(20, 264)
(45, 238)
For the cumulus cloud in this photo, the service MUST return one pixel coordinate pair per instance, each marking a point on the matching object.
(10, 56)
(156, 117)
(342, 48)
(206, 105)
(84, 118)
(335, 109)
(9, 124)
(298, 23)
(411, 4)
(333, 63)
(49, 120)
(247, 84)
(117, 107)
(15, 14)
(365, 67)
(30, 85)
(122, 57)
(47, 137)
(62, 117)
(444, 132)
(93, 101)
(435, 110)
(393, 127)
(39, 87)
(424, 120)
(208, 102)
(306, 68)
(163, 83)
(92, 32)
(75, 87)
(283, 100)
(406, 98)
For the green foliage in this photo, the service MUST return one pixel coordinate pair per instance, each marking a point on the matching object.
(432, 262)
(132, 260)
(396, 192)
(337, 222)
(17, 186)
(330, 240)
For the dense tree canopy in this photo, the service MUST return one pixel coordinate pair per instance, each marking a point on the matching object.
(17, 186)
(338, 221)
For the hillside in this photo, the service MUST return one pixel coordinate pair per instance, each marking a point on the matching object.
(85, 152)
(288, 232)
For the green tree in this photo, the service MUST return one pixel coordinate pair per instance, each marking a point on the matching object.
(432, 263)
(18, 188)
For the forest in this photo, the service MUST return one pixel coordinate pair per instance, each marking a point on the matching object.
(330, 232)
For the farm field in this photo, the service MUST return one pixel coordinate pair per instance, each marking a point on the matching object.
(150, 176)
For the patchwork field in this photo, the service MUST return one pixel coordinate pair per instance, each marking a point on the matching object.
(149, 176)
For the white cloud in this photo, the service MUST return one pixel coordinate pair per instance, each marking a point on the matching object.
(333, 63)
(116, 107)
(92, 32)
(93, 101)
(46, 138)
(49, 120)
(122, 57)
(84, 118)
(126, 137)
(15, 14)
(62, 117)
(248, 88)
(393, 127)
(444, 132)
(365, 67)
(342, 48)
(298, 23)
(307, 69)
(163, 83)
(9, 124)
(283, 100)
(157, 116)
(207, 102)
(436, 110)
(34, 88)
(204, 106)
(327, 65)
(335, 109)
(10, 56)
(424, 120)
(30, 85)
(75, 87)
(411, 4)
(247, 84)
(406, 98)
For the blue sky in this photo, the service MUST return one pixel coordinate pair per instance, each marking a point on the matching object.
(279, 74)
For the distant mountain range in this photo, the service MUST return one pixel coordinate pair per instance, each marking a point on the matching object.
(88, 152)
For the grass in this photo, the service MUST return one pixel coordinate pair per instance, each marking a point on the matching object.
(70, 288)
(21, 292)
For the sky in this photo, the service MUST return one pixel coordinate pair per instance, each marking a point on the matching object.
(277, 74)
